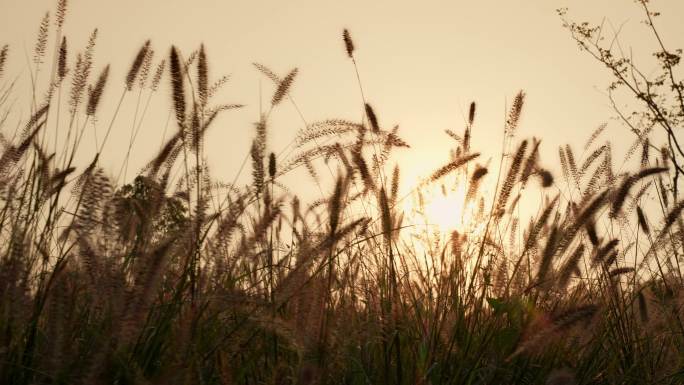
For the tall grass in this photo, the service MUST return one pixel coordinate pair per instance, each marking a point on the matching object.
(177, 278)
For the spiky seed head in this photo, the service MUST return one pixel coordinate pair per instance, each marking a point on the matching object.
(474, 185)
(81, 73)
(590, 227)
(570, 266)
(595, 135)
(272, 165)
(96, 93)
(620, 271)
(641, 217)
(156, 79)
(61, 13)
(335, 207)
(471, 114)
(395, 184)
(348, 43)
(511, 177)
(645, 146)
(284, 87)
(267, 72)
(549, 252)
(177, 86)
(530, 165)
(455, 240)
(362, 168)
(202, 76)
(546, 178)
(586, 215)
(466, 140)
(76, 83)
(195, 128)
(3, 57)
(41, 41)
(385, 214)
(62, 60)
(672, 217)
(258, 153)
(480, 171)
(541, 223)
(623, 191)
(611, 259)
(372, 118)
(605, 250)
(456, 164)
(514, 115)
(145, 68)
(136, 65)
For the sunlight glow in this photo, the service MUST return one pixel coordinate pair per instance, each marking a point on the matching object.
(445, 211)
(444, 208)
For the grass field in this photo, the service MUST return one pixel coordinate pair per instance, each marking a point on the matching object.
(179, 278)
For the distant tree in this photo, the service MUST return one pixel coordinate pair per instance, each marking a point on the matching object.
(143, 200)
(660, 93)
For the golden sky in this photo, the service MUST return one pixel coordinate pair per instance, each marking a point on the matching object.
(421, 63)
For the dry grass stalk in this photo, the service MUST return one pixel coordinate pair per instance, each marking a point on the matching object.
(61, 13)
(348, 43)
(627, 184)
(177, 86)
(452, 166)
(3, 58)
(372, 118)
(41, 41)
(62, 60)
(511, 177)
(514, 114)
(284, 87)
(137, 64)
(202, 77)
(96, 92)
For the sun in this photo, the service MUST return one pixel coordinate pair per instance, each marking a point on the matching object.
(445, 211)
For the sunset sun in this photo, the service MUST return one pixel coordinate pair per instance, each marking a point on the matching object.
(442, 208)
(446, 212)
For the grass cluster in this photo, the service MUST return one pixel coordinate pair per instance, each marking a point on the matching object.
(179, 278)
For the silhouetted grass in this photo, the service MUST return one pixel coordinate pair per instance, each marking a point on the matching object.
(175, 278)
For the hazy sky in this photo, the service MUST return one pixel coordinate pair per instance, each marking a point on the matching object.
(421, 63)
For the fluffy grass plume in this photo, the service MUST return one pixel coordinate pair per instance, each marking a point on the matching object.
(177, 86)
(97, 91)
(137, 65)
